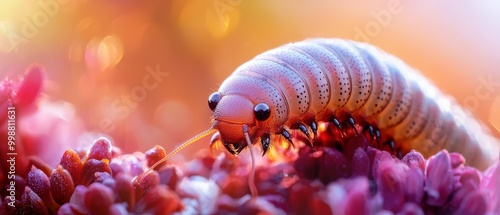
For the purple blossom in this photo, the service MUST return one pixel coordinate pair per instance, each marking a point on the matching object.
(438, 180)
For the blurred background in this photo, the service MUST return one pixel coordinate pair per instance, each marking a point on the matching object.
(140, 71)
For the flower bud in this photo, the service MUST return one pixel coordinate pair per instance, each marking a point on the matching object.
(62, 185)
(98, 198)
(154, 155)
(101, 149)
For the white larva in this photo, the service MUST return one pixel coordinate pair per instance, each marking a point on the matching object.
(330, 80)
(315, 80)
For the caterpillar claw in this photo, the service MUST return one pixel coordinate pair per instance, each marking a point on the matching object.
(287, 136)
(369, 129)
(399, 154)
(303, 129)
(352, 123)
(265, 140)
(314, 128)
(377, 136)
(337, 124)
(391, 145)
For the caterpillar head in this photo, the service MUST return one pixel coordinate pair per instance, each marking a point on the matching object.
(236, 116)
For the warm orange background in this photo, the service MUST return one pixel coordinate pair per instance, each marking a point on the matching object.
(95, 51)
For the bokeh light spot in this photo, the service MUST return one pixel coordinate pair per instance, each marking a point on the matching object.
(75, 53)
(104, 54)
(83, 24)
(110, 51)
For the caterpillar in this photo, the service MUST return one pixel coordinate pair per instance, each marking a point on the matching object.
(298, 85)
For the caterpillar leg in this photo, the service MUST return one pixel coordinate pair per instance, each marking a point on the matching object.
(352, 123)
(370, 130)
(391, 145)
(337, 124)
(287, 136)
(314, 128)
(399, 153)
(377, 136)
(304, 130)
(265, 140)
(374, 134)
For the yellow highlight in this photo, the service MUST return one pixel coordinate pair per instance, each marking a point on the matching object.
(110, 51)
(221, 18)
(104, 54)
(5, 44)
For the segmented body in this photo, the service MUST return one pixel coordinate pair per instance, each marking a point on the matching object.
(320, 79)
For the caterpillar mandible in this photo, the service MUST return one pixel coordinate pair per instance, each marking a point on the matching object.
(298, 85)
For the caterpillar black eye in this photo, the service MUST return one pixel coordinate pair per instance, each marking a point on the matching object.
(261, 111)
(213, 100)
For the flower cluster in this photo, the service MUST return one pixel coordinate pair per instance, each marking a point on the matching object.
(364, 180)
(22, 95)
(325, 179)
(320, 181)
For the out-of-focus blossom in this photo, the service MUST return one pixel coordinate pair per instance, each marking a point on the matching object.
(30, 88)
(43, 128)
(491, 184)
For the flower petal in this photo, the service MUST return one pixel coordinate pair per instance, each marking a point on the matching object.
(101, 149)
(333, 165)
(414, 185)
(30, 87)
(71, 161)
(32, 203)
(62, 185)
(160, 200)
(391, 184)
(438, 181)
(473, 203)
(414, 158)
(98, 198)
(154, 155)
(360, 163)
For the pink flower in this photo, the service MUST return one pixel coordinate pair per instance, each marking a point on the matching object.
(391, 179)
(491, 185)
(438, 181)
